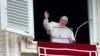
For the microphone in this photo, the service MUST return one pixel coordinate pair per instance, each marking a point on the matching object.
(80, 27)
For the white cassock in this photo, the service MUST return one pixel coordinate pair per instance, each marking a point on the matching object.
(58, 33)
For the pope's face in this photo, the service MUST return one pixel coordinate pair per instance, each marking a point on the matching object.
(63, 21)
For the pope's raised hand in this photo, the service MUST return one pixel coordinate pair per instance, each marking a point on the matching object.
(46, 14)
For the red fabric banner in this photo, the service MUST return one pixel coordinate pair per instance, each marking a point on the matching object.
(64, 49)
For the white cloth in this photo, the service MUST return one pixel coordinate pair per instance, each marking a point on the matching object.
(58, 33)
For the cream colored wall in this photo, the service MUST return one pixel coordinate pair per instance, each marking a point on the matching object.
(12, 44)
(98, 23)
(99, 20)
(2, 42)
(28, 55)
(17, 45)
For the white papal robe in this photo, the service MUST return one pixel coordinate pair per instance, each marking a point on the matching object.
(58, 33)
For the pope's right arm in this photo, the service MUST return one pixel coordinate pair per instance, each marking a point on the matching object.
(46, 22)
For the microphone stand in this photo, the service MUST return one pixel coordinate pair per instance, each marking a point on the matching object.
(80, 27)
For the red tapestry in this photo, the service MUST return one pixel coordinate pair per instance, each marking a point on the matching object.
(62, 49)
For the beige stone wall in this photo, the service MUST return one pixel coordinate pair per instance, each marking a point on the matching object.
(29, 55)
(12, 44)
(98, 20)
(2, 42)
(17, 45)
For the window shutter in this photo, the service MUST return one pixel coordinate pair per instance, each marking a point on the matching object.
(17, 16)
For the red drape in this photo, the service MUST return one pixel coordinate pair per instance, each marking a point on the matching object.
(49, 49)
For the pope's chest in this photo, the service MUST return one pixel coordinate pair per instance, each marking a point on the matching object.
(60, 32)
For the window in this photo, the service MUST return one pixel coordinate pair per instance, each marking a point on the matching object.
(17, 16)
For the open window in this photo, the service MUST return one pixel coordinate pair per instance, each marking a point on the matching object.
(17, 16)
